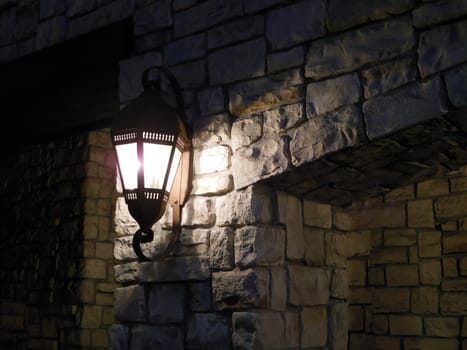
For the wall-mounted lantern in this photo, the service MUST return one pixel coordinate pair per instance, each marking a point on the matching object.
(153, 154)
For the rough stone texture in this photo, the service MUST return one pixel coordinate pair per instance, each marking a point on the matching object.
(442, 47)
(166, 303)
(339, 326)
(430, 343)
(241, 289)
(282, 119)
(314, 321)
(290, 213)
(420, 214)
(235, 31)
(327, 95)
(425, 300)
(354, 49)
(296, 23)
(411, 105)
(221, 251)
(147, 337)
(119, 335)
(391, 299)
(285, 59)
(430, 272)
(211, 160)
(438, 12)
(308, 285)
(213, 184)
(199, 212)
(174, 269)
(317, 214)
(245, 131)
(455, 243)
(344, 14)
(243, 61)
(314, 246)
(130, 304)
(208, 331)
(455, 82)
(185, 49)
(441, 326)
(153, 17)
(211, 101)
(212, 130)
(317, 137)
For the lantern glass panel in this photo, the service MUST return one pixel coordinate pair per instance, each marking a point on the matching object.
(173, 169)
(129, 164)
(156, 162)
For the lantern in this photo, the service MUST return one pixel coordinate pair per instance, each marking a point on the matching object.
(153, 154)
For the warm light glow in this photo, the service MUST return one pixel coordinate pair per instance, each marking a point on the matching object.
(156, 160)
(129, 164)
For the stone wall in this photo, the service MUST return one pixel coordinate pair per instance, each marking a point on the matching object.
(56, 251)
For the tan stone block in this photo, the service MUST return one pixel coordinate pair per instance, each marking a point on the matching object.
(464, 327)
(376, 276)
(357, 272)
(463, 266)
(106, 287)
(308, 285)
(314, 246)
(387, 343)
(361, 341)
(397, 238)
(91, 316)
(458, 184)
(442, 326)
(450, 267)
(359, 295)
(430, 272)
(449, 226)
(89, 250)
(431, 344)
(429, 244)
(425, 300)
(391, 215)
(100, 338)
(401, 194)
(292, 329)
(392, 255)
(317, 214)
(339, 284)
(94, 268)
(356, 318)
(376, 239)
(451, 206)
(295, 241)
(391, 299)
(338, 326)
(104, 299)
(104, 250)
(405, 325)
(315, 322)
(85, 337)
(432, 188)
(336, 248)
(380, 324)
(108, 316)
(413, 255)
(455, 243)
(456, 285)
(359, 243)
(420, 214)
(278, 289)
(87, 291)
(402, 275)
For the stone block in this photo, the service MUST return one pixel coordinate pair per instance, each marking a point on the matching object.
(100, 338)
(359, 243)
(262, 160)
(402, 275)
(259, 246)
(351, 50)
(199, 297)
(212, 101)
(458, 185)
(119, 337)
(126, 273)
(95, 269)
(360, 341)
(185, 49)
(442, 47)
(430, 272)
(401, 194)
(408, 106)
(328, 95)
(338, 326)
(396, 238)
(290, 213)
(340, 283)
(376, 276)
(454, 243)
(285, 59)
(296, 23)
(282, 119)
(208, 331)
(452, 206)
(438, 12)
(432, 188)
(442, 326)
(212, 159)
(49, 8)
(166, 303)
(190, 75)
(244, 207)
(314, 246)
(453, 304)
(454, 285)
(245, 131)
(336, 248)
(50, 32)
(7, 26)
(174, 269)
(308, 285)
(205, 15)
(152, 18)
(430, 343)
(450, 267)
(356, 318)
(425, 300)
(455, 82)
(26, 22)
(360, 295)
(253, 6)
(392, 255)
(235, 31)
(258, 330)
(343, 15)
(329, 133)
(357, 272)
(262, 94)
(391, 300)
(420, 214)
(278, 289)
(241, 289)
(212, 130)
(75, 8)
(386, 343)
(242, 61)
(199, 212)
(221, 248)
(463, 266)
(380, 324)
(429, 244)
(153, 337)
(405, 325)
(315, 321)
(130, 304)
(317, 214)
(388, 76)
(92, 316)
(292, 329)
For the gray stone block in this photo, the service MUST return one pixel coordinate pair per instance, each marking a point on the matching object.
(242, 61)
(325, 134)
(7, 26)
(49, 8)
(388, 76)
(190, 75)
(211, 131)
(233, 32)
(221, 252)
(205, 15)
(26, 22)
(166, 303)
(325, 96)
(343, 14)
(154, 337)
(211, 101)
(199, 212)
(126, 273)
(79, 7)
(252, 6)
(265, 93)
(51, 32)
(246, 131)
(208, 332)
(413, 104)
(185, 49)
(119, 337)
(174, 270)
(352, 50)
(438, 12)
(442, 47)
(282, 119)
(199, 296)
(456, 82)
(286, 59)
(153, 17)
(296, 23)
(130, 304)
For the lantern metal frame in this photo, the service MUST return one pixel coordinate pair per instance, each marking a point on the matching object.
(149, 119)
